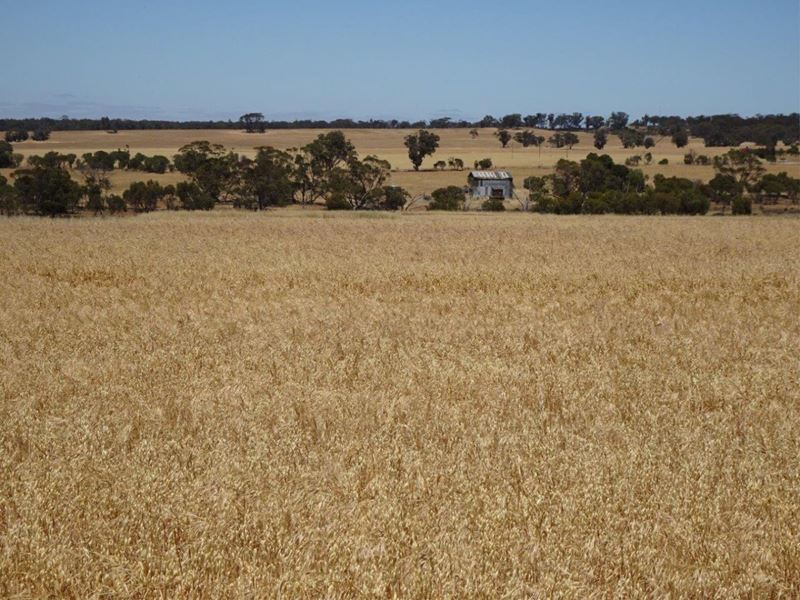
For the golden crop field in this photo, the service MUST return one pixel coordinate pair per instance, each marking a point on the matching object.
(387, 144)
(316, 405)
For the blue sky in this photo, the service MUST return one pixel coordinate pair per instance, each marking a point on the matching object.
(410, 59)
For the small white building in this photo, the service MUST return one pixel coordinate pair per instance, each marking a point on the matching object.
(491, 184)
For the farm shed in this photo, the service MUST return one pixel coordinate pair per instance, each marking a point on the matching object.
(491, 184)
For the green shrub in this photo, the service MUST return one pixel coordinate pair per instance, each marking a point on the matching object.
(9, 203)
(95, 203)
(596, 204)
(666, 203)
(6, 155)
(447, 198)
(16, 136)
(543, 203)
(394, 198)
(192, 197)
(742, 206)
(144, 197)
(116, 204)
(663, 161)
(47, 191)
(694, 202)
(337, 202)
(493, 204)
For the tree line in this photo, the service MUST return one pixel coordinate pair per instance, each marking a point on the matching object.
(716, 130)
(596, 185)
(329, 170)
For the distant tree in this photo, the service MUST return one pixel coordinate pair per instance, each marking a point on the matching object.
(455, 163)
(9, 205)
(724, 188)
(116, 204)
(136, 161)
(155, 164)
(648, 158)
(447, 198)
(528, 138)
(94, 188)
(51, 160)
(473, 133)
(649, 142)
(315, 162)
(97, 161)
(600, 138)
(192, 196)
(423, 143)
(742, 206)
(772, 187)
(144, 196)
(394, 198)
(48, 191)
(121, 158)
(618, 120)
(574, 120)
(563, 139)
(267, 180)
(570, 139)
(594, 122)
(211, 167)
(440, 165)
(483, 164)
(743, 165)
(538, 120)
(14, 136)
(535, 184)
(360, 184)
(441, 123)
(630, 138)
(537, 187)
(40, 135)
(6, 155)
(680, 137)
(511, 121)
(488, 121)
(253, 122)
(566, 179)
(504, 136)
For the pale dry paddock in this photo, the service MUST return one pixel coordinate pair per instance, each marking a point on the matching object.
(240, 405)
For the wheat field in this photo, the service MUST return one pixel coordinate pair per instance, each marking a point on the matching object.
(388, 145)
(290, 405)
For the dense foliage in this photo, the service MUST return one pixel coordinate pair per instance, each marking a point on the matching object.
(597, 185)
(328, 169)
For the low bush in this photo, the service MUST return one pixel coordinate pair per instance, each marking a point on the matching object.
(742, 206)
(493, 205)
(447, 198)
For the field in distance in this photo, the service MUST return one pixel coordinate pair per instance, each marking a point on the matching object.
(386, 144)
(381, 405)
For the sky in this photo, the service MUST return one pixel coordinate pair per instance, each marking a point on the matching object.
(206, 59)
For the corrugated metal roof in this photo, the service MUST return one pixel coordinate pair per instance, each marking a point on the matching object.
(490, 175)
